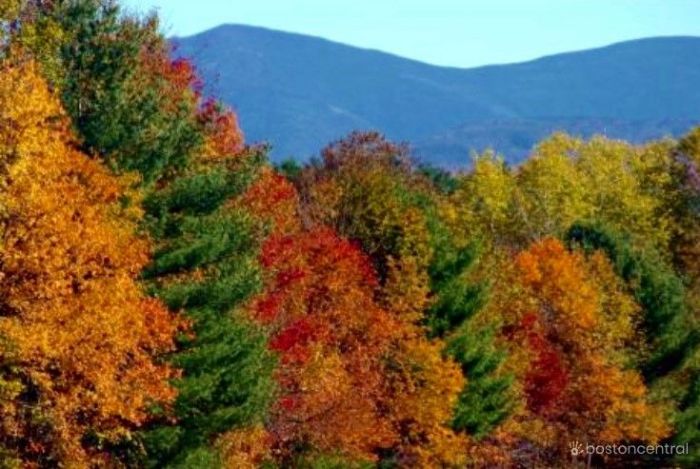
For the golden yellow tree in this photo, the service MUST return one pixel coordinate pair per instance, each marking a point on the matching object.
(80, 333)
(567, 180)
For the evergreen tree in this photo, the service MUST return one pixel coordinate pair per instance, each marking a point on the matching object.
(206, 264)
(486, 399)
(656, 288)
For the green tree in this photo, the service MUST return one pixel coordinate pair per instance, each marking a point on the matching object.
(487, 398)
(128, 101)
(206, 264)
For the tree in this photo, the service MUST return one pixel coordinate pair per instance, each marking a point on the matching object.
(566, 180)
(573, 327)
(422, 389)
(321, 298)
(206, 266)
(657, 289)
(486, 400)
(128, 100)
(80, 334)
(332, 339)
(484, 202)
(363, 189)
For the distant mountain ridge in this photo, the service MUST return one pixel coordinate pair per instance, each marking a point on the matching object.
(300, 92)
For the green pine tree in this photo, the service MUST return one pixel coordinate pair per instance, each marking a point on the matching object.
(486, 399)
(226, 366)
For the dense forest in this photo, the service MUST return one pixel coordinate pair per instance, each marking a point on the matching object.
(170, 298)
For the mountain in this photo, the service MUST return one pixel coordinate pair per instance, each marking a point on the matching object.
(300, 92)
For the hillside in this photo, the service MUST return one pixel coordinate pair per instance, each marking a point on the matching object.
(284, 84)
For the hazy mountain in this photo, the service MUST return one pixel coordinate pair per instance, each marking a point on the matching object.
(300, 92)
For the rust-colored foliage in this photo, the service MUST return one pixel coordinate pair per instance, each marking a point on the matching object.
(546, 378)
(223, 135)
(570, 321)
(81, 334)
(274, 201)
(331, 337)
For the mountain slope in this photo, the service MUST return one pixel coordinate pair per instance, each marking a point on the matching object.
(300, 92)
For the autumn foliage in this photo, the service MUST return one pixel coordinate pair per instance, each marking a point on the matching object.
(170, 298)
(331, 338)
(79, 334)
(576, 329)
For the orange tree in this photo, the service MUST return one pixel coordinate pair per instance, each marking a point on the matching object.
(79, 333)
(573, 332)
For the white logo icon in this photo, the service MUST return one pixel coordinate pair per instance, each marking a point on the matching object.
(576, 448)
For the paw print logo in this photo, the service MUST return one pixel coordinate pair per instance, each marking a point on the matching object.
(576, 448)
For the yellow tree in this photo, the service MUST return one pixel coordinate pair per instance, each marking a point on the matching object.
(80, 333)
(422, 389)
(567, 180)
(484, 200)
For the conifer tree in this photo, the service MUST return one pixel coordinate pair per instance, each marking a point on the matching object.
(486, 400)
(206, 265)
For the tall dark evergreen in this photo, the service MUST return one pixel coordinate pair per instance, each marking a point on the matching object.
(206, 265)
(487, 398)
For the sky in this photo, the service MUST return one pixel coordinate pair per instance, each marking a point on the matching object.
(459, 33)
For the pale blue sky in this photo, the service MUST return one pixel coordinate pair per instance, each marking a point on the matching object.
(459, 33)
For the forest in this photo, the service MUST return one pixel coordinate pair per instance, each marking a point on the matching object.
(171, 298)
